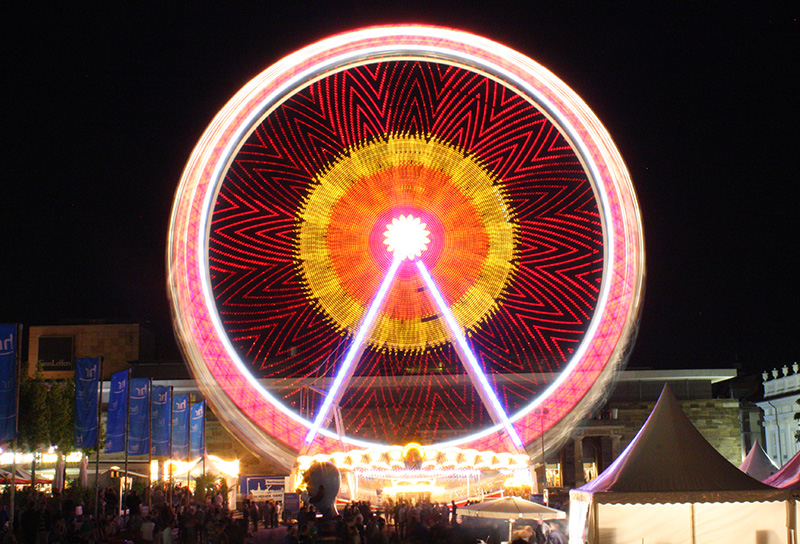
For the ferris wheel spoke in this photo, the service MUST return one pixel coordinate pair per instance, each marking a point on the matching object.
(474, 370)
(348, 366)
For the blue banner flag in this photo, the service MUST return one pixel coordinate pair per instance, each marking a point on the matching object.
(117, 411)
(180, 426)
(139, 417)
(87, 379)
(197, 430)
(8, 382)
(161, 419)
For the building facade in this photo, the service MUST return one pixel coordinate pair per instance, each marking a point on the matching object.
(54, 348)
(780, 405)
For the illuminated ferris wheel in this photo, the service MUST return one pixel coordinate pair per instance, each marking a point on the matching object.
(414, 232)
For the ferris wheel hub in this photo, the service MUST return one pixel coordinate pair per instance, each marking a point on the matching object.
(406, 237)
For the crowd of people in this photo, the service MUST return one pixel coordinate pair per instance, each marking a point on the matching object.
(178, 517)
(174, 518)
(405, 522)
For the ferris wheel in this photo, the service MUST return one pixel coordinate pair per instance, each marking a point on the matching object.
(414, 232)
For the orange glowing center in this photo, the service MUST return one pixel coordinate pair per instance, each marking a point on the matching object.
(406, 237)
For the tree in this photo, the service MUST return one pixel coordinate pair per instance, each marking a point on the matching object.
(48, 415)
(205, 484)
(796, 417)
(33, 418)
(61, 423)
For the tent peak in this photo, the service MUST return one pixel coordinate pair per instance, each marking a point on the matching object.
(669, 454)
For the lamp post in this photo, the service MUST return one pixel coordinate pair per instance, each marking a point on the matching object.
(543, 412)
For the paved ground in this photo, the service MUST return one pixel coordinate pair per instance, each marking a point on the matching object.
(267, 536)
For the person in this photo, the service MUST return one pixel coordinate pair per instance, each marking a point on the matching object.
(354, 537)
(540, 533)
(232, 533)
(134, 505)
(147, 529)
(453, 512)
(555, 536)
(246, 515)
(290, 537)
(166, 522)
(519, 537)
(112, 501)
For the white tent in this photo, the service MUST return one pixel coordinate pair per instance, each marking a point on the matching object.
(671, 486)
(758, 464)
(511, 508)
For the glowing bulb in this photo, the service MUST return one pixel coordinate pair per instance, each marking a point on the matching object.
(406, 237)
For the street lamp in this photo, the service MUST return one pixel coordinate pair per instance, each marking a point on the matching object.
(543, 412)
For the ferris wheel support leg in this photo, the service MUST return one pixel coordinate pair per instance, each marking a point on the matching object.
(473, 368)
(348, 366)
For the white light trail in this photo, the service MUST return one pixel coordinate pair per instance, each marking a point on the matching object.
(356, 348)
(474, 369)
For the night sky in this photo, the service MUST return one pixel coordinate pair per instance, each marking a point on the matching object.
(103, 107)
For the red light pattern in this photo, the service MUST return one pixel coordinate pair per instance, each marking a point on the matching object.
(559, 259)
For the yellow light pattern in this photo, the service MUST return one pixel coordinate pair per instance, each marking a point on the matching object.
(413, 488)
(433, 458)
(342, 269)
(228, 468)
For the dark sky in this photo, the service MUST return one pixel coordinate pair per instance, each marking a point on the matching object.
(103, 106)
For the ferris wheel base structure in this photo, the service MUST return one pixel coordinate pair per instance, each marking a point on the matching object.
(414, 232)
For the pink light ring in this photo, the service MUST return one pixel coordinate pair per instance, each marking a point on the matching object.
(212, 170)
(381, 38)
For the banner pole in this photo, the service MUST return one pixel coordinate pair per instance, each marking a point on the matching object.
(16, 427)
(150, 446)
(123, 485)
(189, 450)
(171, 406)
(205, 409)
(97, 444)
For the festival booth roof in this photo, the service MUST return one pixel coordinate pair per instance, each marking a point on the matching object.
(511, 507)
(23, 477)
(670, 485)
(788, 477)
(757, 464)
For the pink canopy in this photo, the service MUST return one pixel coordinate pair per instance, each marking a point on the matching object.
(788, 477)
(758, 464)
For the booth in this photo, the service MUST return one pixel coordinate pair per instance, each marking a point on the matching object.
(670, 486)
